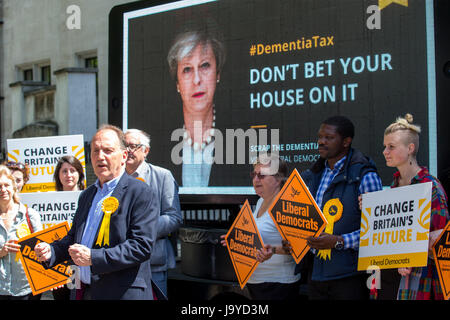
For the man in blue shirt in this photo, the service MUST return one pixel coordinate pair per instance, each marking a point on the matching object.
(114, 258)
(336, 180)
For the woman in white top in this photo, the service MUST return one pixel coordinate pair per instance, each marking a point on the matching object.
(274, 278)
(16, 221)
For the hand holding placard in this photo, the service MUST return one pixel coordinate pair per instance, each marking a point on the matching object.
(34, 249)
(296, 215)
(243, 242)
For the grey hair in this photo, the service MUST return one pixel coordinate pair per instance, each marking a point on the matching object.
(144, 138)
(187, 41)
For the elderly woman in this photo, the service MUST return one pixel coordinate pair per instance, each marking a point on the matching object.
(401, 144)
(16, 221)
(274, 278)
(69, 174)
(19, 172)
(195, 61)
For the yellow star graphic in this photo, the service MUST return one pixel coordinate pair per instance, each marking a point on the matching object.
(384, 3)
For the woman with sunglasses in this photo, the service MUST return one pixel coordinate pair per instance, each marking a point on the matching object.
(16, 221)
(274, 278)
(19, 172)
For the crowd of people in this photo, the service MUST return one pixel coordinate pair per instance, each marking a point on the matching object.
(133, 262)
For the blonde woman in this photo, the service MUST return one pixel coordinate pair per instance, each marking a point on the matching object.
(401, 144)
(16, 221)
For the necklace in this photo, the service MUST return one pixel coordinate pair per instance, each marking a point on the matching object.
(207, 138)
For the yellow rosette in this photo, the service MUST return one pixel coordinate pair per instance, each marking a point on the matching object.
(109, 206)
(23, 230)
(332, 211)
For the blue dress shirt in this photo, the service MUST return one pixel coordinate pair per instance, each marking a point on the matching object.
(94, 219)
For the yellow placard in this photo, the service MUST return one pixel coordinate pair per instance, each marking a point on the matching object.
(39, 187)
(39, 278)
(296, 215)
(243, 240)
(394, 261)
(395, 226)
(441, 254)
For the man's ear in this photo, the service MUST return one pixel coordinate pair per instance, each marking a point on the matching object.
(347, 142)
(124, 157)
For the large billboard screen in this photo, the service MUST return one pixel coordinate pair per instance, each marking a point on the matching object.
(216, 82)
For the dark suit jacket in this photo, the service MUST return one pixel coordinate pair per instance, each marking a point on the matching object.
(122, 270)
(170, 218)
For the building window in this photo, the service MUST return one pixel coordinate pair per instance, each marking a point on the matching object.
(91, 62)
(46, 74)
(28, 75)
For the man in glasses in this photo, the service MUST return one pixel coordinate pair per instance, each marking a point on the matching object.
(163, 257)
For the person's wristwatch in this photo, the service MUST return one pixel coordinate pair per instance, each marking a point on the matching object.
(339, 245)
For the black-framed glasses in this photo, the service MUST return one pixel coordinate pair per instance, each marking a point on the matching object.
(133, 147)
(260, 176)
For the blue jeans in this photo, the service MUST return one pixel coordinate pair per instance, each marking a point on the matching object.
(160, 278)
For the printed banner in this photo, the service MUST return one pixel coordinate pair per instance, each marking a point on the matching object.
(39, 278)
(279, 74)
(441, 253)
(296, 215)
(54, 207)
(243, 240)
(41, 155)
(395, 227)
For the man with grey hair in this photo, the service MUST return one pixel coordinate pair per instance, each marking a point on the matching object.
(114, 228)
(163, 257)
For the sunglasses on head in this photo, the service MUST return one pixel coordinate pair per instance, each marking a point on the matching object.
(18, 165)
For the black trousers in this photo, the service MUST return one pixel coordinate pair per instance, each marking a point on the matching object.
(389, 283)
(25, 297)
(349, 288)
(273, 290)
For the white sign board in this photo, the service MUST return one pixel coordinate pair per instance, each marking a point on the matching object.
(41, 155)
(54, 207)
(395, 226)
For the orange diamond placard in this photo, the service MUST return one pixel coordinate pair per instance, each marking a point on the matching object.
(296, 215)
(243, 241)
(441, 253)
(39, 278)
